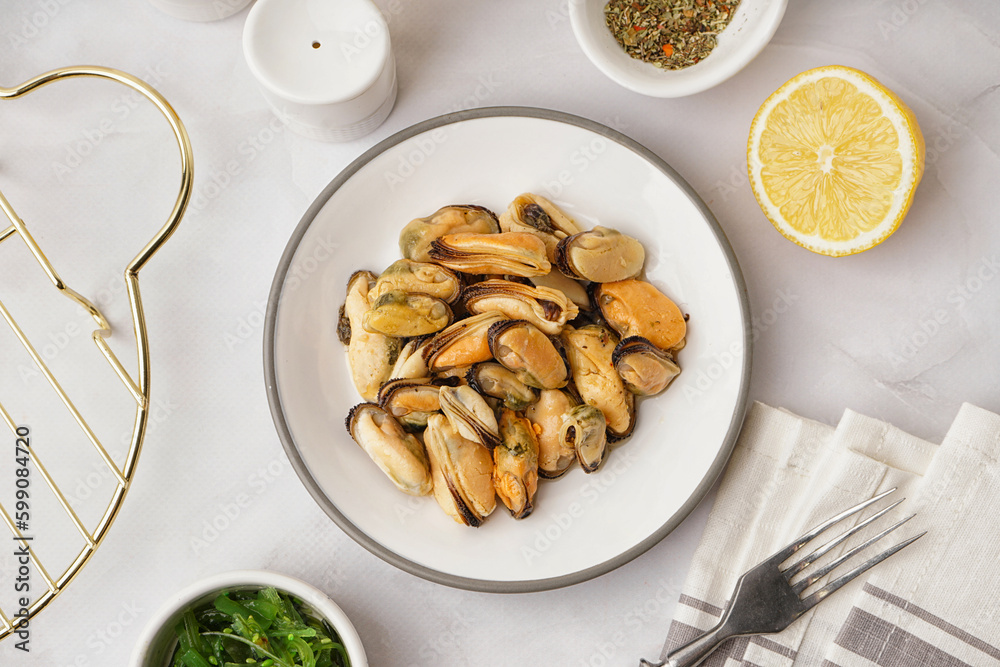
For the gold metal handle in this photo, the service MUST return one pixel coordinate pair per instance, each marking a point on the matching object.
(138, 385)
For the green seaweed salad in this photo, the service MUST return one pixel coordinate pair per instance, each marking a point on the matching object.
(256, 627)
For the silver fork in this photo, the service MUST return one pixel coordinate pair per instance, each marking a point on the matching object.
(766, 601)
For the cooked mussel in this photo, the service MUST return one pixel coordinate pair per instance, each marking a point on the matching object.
(637, 308)
(601, 255)
(515, 464)
(370, 356)
(521, 347)
(645, 368)
(546, 308)
(410, 400)
(547, 415)
(410, 363)
(493, 379)
(462, 471)
(470, 415)
(462, 344)
(584, 430)
(506, 253)
(397, 453)
(532, 213)
(418, 278)
(401, 314)
(416, 238)
(589, 350)
(573, 289)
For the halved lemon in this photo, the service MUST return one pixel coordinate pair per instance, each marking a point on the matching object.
(834, 158)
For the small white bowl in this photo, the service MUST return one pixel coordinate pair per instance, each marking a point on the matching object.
(157, 642)
(751, 28)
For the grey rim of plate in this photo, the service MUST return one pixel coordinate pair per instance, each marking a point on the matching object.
(362, 538)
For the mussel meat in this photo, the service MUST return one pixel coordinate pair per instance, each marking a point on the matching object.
(470, 415)
(601, 255)
(547, 415)
(645, 368)
(637, 308)
(546, 308)
(506, 253)
(584, 430)
(589, 350)
(418, 278)
(521, 347)
(462, 344)
(532, 213)
(462, 471)
(493, 379)
(397, 453)
(416, 238)
(371, 356)
(515, 464)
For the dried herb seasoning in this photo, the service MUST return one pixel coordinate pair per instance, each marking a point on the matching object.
(671, 34)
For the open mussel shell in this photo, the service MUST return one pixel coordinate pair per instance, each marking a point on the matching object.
(546, 308)
(637, 308)
(416, 238)
(462, 473)
(506, 253)
(521, 347)
(533, 213)
(584, 430)
(495, 380)
(470, 415)
(645, 369)
(515, 464)
(371, 356)
(554, 455)
(600, 255)
(418, 278)
(589, 350)
(401, 314)
(397, 453)
(462, 344)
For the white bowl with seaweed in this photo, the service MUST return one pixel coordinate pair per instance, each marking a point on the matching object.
(249, 617)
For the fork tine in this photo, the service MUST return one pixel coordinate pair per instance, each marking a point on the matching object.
(806, 561)
(817, 597)
(826, 569)
(783, 555)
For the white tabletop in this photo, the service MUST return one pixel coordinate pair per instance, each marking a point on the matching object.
(904, 332)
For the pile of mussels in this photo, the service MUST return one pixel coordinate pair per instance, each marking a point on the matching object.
(484, 368)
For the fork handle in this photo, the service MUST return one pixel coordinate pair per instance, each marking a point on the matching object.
(695, 651)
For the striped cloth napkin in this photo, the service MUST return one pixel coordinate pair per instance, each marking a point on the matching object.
(935, 604)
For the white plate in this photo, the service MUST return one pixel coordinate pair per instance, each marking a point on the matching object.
(582, 525)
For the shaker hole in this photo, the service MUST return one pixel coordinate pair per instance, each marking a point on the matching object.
(316, 45)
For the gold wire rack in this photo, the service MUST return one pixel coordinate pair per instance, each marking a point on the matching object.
(138, 385)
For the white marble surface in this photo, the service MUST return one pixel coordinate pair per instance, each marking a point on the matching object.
(904, 332)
